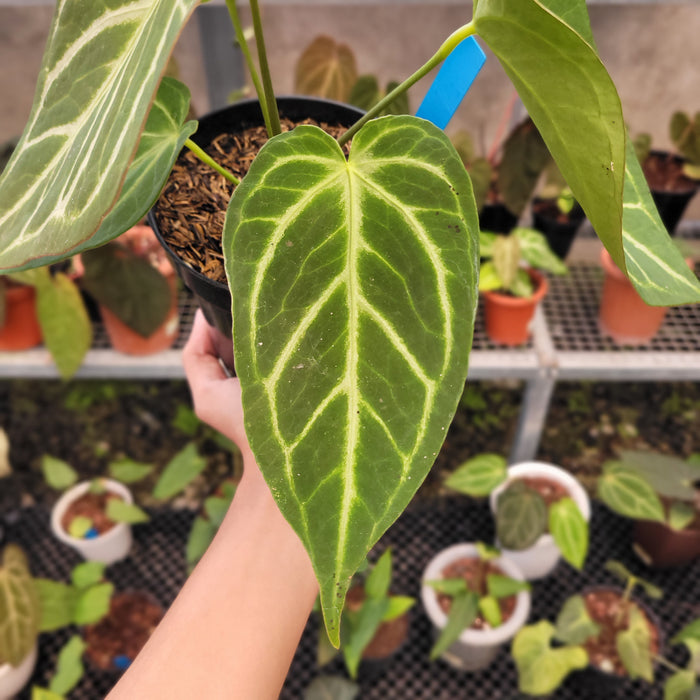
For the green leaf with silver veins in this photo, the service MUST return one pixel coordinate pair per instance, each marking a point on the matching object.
(521, 516)
(101, 69)
(354, 288)
(569, 530)
(479, 475)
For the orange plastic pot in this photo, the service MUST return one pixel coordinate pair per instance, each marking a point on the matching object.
(21, 330)
(507, 317)
(623, 314)
(143, 242)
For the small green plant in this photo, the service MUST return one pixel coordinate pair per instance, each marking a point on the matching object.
(502, 258)
(69, 671)
(651, 486)
(365, 612)
(469, 599)
(20, 608)
(685, 134)
(522, 515)
(176, 475)
(544, 665)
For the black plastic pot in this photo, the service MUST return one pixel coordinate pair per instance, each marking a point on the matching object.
(559, 233)
(497, 218)
(661, 547)
(214, 298)
(672, 203)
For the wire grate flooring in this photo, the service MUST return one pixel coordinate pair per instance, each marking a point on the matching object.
(157, 565)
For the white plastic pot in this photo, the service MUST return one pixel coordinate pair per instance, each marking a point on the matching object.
(14, 678)
(539, 560)
(475, 649)
(109, 547)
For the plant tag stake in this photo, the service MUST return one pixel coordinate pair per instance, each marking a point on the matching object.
(454, 78)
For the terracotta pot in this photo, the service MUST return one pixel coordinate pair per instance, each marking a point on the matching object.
(214, 298)
(507, 317)
(21, 330)
(539, 561)
(623, 314)
(661, 547)
(143, 242)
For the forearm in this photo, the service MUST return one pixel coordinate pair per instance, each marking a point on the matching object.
(234, 627)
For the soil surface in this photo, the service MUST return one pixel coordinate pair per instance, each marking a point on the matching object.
(92, 506)
(91, 423)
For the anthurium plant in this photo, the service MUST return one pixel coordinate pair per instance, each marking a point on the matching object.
(503, 257)
(522, 515)
(354, 281)
(652, 486)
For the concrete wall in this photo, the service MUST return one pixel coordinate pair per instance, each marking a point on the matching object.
(651, 51)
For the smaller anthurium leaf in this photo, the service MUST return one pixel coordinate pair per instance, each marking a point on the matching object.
(57, 601)
(365, 92)
(542, 669)
(569, 530)
(479, 475)
(180, 471)
(693, 647)
(679, 686)
(486, 241)
(634, 646)
(69, 667)
(361, 626)
(491, 610)
(535, 250)
(680, 515)
(398, 605)
(65, 324)
(521, 516)
(186, 420)
(522, 284)
(92, 604)
(504, 586)
(327, 69)
(57, 473)
(628, 494)
(128, 285)
(487, 552)
(331, 688)
(87, 574)
(524, 157)
(128, 471)
(379, 579)
(462, 613)
(79, 526)
(201, 534)
(101, 69)
(122, 512)
(574, 624)
(690, 631)
(654, 263)
(546, 51)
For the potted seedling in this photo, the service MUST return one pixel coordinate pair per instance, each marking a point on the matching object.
(673, 176)
(661, 493)
(555, 212)
(511, 283)
(19, 624)
(353, 282)
(95, 516)
(541, 511)
(602, 629)
(476, 600)
(374, 624)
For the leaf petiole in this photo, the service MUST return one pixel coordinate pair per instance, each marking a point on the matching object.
(206, 158)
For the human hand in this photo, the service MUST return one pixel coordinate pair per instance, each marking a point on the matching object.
(216, 397)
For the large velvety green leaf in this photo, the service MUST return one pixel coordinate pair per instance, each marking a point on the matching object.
(570, 97)
(101, 69)
(354, 293)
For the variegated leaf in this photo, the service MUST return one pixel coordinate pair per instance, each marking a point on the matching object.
(101, 69)
(354, 288)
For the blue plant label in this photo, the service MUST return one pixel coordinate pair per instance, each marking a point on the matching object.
(452, 82)
(121, 662)
(91, 534)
